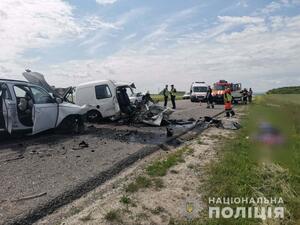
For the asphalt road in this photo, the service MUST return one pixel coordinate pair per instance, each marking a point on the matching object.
(50, 164)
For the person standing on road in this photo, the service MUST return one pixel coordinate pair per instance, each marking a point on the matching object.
(250, 93)
(245, 96)
(209, 98)
(228, 103)
(166, 95)
(173, 96)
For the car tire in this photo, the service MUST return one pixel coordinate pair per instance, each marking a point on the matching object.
(72, 123)
(93, 116)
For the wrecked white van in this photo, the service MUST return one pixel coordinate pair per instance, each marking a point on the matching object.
(26, 107)
(106, 98)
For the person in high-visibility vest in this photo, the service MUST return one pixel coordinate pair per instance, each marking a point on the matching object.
(228, 103)
(173, 96)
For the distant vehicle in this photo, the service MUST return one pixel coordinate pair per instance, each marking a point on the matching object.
(198, 91)
(106, 98)
(187, 95)
(219, 88)
(29, 108)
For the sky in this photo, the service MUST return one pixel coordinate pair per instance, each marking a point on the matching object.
(153, 42)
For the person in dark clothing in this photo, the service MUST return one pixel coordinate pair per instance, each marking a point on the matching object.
(245, 96)
(209, 98)
(173, 96)
(250, 93)
(166, 95)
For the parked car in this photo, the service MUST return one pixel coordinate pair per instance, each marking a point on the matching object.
(187, 95)
(29, 108)
(198, 91)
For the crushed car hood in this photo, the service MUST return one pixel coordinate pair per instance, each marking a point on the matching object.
(39, 79)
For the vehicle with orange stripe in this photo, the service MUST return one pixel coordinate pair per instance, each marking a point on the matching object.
(219, 88)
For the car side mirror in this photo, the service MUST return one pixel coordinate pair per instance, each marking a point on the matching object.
(59, 100)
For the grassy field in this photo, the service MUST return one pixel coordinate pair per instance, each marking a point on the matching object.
(248, 168)
(285, 90)
(159, 98)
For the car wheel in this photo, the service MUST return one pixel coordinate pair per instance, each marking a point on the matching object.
(93, 116)
(73, 123)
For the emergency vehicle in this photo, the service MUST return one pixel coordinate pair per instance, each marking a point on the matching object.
(219, 88)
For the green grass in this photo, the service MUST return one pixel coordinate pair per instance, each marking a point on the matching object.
(160, 98)
(125, 200)
(285, 90)
(249, 169)
(161, 167)
(113, 216)
(140, 182)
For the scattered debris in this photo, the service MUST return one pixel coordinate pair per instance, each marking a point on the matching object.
(178, 126)
(81, 145)
(14, 159)
(30, 197)
(231, 125)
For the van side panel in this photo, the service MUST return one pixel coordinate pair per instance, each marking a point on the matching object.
(87, 95)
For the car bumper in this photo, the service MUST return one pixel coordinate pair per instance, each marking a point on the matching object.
(198, 98)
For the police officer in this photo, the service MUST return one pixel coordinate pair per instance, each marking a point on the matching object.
(250, 93)
(209, 98)
(245, 95)
(166, 95)
(173, 96)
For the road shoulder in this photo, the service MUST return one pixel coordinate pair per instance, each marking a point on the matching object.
(147, 192)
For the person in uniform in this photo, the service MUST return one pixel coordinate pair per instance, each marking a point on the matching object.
(173, 96)
(209, 98)
(166, 95)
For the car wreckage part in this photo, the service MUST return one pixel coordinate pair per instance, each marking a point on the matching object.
(93, 116)
(72, 123)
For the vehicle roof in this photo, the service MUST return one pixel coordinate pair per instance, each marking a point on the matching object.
(225, 84)
(90, 83)
(99, 82)
(13, 81)
(202, 84)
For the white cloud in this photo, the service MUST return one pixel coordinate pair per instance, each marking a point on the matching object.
(256, 56)
(275, 6)
(106, 2)
(29, 24)
(240, 20)
(255, 50)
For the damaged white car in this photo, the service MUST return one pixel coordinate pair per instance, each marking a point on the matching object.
(26, 107)
(104, 98)
(108, 99)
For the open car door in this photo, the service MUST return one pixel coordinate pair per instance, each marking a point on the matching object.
(45, 111)
(8, 109)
